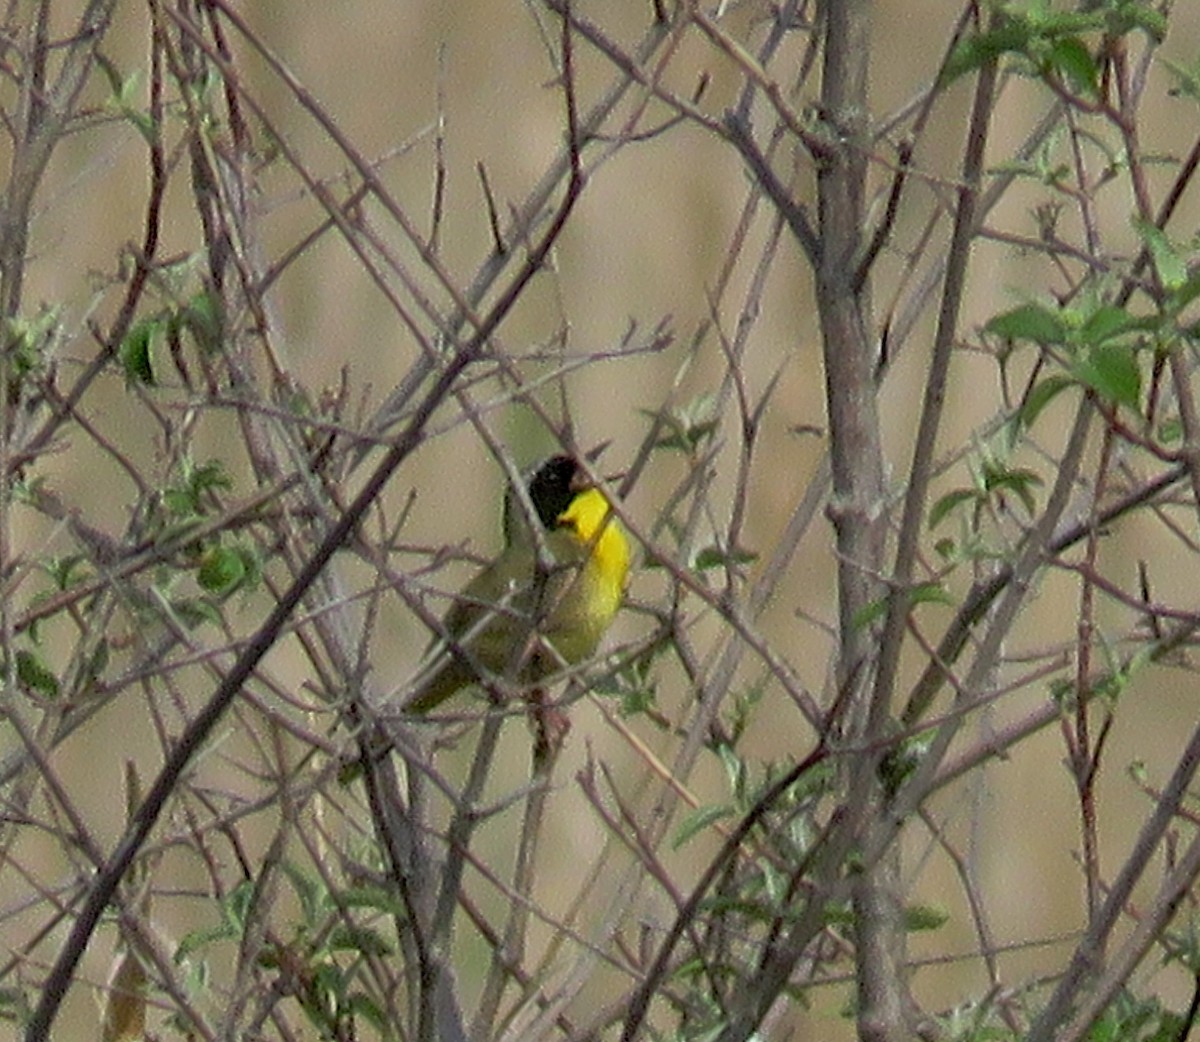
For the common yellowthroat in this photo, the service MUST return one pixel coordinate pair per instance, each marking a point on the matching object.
(522, 619)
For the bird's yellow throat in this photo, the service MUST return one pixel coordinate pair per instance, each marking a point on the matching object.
(608, 561)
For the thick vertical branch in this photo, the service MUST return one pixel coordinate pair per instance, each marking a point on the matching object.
(857, 503)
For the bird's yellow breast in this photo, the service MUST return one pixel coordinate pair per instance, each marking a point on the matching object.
(601, 578)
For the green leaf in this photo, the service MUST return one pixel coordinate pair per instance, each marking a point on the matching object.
(1011, 35)
(193, 612)
(179, 502)
(66, 571)
(34, 675)
(1127, 15)
(96, 664)
(1041, 396)
(1183, 296)
(234, 910)
(252, 571)
(313, 894)
(124, 100)
(946, 549)
(1171, 267)
(715, 557)
(323, 997)
(736, 772)
(918, 918)
(637, 700)
(14, 1005)
(775, 883)
(350, 938)
(1111, 370)
(947, 504)
(362, 1005)
(1171, 1027)
(199, 939)
(1062, 692)
(236, 906)
(870, 613)
(929, 593)
(697, 821)
(1071, 58)
(222, 570)
(1170, 431)
(184, 499)
(1187, 79)
(209, 476)
(28, 340)
(1017, 480)
(840, 914)
(685, 427)
(899, 765)
(1029, 322)
(202, 316)
(1105, 323)
(134, 352)
(376, 898)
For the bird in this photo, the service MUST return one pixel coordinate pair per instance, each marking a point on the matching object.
(545, 601)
